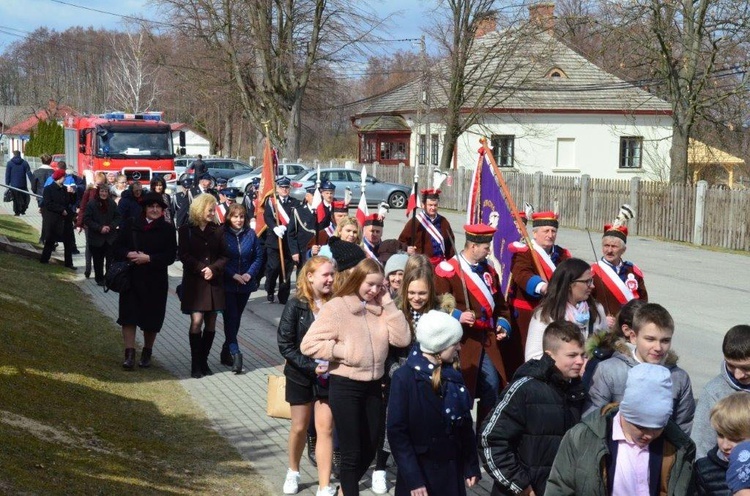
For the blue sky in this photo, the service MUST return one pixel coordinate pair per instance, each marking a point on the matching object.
(19, 17)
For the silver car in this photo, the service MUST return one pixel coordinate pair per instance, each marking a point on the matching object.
(244, 180)
(376, 191)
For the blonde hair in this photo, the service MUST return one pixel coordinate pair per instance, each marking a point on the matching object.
(416, 261)
(730, 417)
(356, 276)
(198, 208)
(436, 382)
(349, 221)
(305, 290)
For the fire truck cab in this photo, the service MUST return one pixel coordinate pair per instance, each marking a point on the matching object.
(137, 145)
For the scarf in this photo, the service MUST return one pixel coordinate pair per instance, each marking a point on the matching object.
(579, 315)
(457, 403)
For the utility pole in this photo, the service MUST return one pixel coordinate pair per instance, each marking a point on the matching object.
(426, 101)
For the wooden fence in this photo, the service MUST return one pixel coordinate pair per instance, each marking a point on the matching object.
(717, 217)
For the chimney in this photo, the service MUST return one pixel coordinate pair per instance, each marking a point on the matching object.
(486, 24)
(542, 16)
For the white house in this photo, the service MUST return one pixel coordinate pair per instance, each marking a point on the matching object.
(195, 142)
(550, 110)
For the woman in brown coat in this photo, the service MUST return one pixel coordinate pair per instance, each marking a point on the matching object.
(203, 256)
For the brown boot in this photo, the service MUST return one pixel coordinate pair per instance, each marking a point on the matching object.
(129, 362)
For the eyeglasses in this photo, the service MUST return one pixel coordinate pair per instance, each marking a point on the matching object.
(587, 282)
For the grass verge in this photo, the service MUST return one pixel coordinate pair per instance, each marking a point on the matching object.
(70, 423)
(17, 230)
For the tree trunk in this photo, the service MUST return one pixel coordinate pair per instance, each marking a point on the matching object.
(228, 148)
(293, 131)
(679, 173)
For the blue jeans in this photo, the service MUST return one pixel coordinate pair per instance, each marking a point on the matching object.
(235, 305)
(488, 383)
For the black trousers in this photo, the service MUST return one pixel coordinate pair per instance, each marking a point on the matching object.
(357, 408)
(20, 201)
(68, 244)
(273, 272)
(101, 258)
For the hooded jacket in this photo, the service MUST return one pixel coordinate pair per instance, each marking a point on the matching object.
(521, 436)
(608, 385)
(580, 467)
(16, 172)
(717, 388)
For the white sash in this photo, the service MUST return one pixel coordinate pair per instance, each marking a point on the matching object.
(548, 265)
(613, 282)
(475, 284)
(369, 252)
(330, 230)
(431, 230)
(283, 216)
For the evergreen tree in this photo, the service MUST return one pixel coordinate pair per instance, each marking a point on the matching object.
(48, 137)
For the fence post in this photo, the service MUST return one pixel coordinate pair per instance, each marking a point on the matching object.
(375, 169)
(537, 186)
(635, 194)
(700, 203)
(401, 173)
(584, 205)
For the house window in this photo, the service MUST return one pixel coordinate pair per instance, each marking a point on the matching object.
(434, 148)
(502, 149)
(631, 152)
(422, 147)
(392, 150)
(566, 153)
(368, 152)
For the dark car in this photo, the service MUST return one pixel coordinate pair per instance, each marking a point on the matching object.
(225, 168)
(376, 191)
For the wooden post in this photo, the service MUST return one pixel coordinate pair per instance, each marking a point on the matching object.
(584, 205)
(537, 199)
(700, 204)
(635, 193)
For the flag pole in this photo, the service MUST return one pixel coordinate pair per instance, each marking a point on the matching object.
(317, 224)
(276, 208)
(512, 206)
(414, 210)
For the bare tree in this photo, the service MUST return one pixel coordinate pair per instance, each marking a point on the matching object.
(270, 47)
(130, 76)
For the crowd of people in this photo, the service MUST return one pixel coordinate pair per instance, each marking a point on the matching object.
(388, 343)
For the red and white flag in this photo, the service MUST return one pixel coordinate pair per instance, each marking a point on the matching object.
(414, 201)
(362, 212)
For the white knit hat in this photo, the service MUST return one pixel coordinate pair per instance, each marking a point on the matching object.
(437, 330)
(647, 401)
(396, 262)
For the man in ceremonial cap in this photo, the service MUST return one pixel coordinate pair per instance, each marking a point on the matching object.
(617, 281)
(339, 211)
(372, 239)
(205, 185)
(181, 202)
(483, 313)
(432, 236)
(227, 197)
(277, 214)
(527, 284)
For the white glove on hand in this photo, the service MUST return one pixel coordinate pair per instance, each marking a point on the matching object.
(280, 231)
(252, 223)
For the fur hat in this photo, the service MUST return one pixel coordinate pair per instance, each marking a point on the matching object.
(153, 198)
(396, 262)
(647, 401)
(345, 254)
(437, 330)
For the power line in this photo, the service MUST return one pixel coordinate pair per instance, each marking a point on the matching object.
(122, 16)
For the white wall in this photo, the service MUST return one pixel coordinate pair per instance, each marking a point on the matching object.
(568, 144)
(195, 144)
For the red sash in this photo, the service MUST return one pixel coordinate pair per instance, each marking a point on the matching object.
(476, 286)
(283, 216)
(547, 265)
(221, 212)
(613, 282)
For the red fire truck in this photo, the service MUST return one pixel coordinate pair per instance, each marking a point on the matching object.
(138, 145)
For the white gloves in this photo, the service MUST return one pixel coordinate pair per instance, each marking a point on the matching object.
(280, 231)
(252, 223)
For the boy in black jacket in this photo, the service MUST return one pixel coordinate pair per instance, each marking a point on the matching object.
(522, 434)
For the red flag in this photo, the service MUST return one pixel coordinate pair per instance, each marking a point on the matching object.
(414, 201)
(267, 187)
(362, 212)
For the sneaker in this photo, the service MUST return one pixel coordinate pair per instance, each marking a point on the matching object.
(326, 491)
(291, 483)
(379, 485)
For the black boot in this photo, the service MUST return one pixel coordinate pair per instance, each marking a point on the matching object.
(336, 466)
(237, 363)
(129, 362)
(145, 358)
(226, 356)
(207, 340)
(196, 356)
(311, 440)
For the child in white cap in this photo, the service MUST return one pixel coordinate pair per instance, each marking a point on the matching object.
(429, 414)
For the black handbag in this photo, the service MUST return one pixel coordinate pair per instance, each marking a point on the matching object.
(8, 196)
(119, 275)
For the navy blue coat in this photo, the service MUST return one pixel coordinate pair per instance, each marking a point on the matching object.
(244, 256)
(129, 207)
(16, 172)
(427, 452)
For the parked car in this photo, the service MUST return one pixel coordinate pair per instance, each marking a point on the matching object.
(243, 181)
(377, 191)
(56, 159)
(217, 167)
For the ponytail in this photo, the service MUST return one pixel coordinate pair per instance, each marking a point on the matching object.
(436, 383)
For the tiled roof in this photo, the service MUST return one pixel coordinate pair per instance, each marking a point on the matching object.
(29, 122)
(386, 123)
(12, 114)
(523, 83)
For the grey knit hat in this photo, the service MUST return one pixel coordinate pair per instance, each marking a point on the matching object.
(647, 401)
(437, 330)
(396, 262)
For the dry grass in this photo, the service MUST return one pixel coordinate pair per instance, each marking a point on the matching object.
(70, 423)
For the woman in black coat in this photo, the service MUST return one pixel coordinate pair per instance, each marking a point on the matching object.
(429, 421)
(101, 218)
(306, 378)
(203, 253)
(147, 241)
(57, 218)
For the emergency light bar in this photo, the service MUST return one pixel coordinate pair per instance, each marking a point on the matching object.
(121, 116)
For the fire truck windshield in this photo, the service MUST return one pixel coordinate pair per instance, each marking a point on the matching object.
(133, 144)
